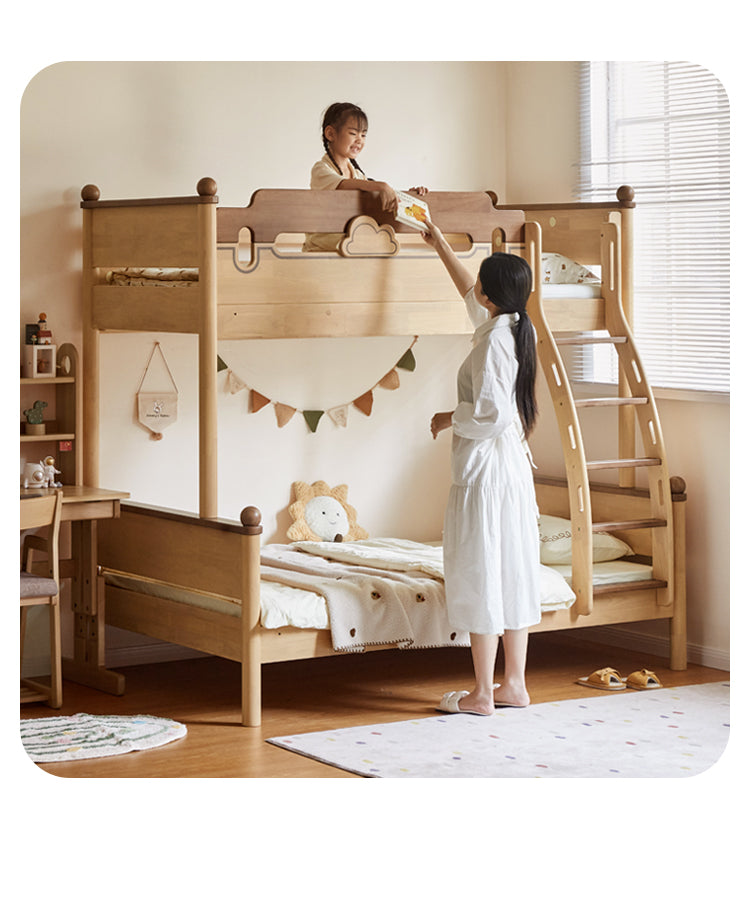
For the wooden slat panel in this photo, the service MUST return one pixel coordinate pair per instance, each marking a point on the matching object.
(274, 212)
(282, 320)
(317, 277)
(573, 233)
(623, 607)
(165, 236)
(195, 628)
(158, 309)
(174, 551)
(574, 314)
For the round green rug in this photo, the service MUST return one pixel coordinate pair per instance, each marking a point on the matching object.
(95, 736)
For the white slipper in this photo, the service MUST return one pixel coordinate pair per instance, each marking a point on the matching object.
(449, 704)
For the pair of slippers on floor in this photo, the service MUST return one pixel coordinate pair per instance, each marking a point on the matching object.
(449, 703)
(609, 679)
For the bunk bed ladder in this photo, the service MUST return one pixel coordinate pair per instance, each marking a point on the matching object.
(635, 399)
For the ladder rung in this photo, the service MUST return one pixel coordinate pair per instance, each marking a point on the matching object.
(580, 340)
(622, 463)
(611, 400)
(626, 587)
(628, 525)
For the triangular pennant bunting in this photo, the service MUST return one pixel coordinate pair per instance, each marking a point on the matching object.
(312, 418)
(284, 413)
(407, 361)
(339, 415)
(364, 402)
(390, 381)
(257, 401)
(234, 384)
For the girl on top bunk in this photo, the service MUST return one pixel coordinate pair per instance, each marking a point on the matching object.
(344, 134)
(491, 540)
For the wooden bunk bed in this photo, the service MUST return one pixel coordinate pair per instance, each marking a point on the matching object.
(251, 274)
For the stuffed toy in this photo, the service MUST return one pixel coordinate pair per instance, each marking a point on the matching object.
(322, 514)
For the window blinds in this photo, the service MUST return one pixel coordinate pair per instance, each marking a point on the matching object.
(663, 128)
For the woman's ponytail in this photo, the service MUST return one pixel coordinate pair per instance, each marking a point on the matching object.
(506, 281)
(525, 338)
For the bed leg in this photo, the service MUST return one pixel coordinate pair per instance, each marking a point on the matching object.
(678, 621)
(251, 691)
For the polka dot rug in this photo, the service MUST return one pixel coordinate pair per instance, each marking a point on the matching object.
(666, 732)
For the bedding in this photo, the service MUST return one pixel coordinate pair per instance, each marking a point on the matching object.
(608, 573)
(556, 543)
(367, 592)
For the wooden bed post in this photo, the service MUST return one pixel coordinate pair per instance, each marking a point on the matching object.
(678, 621)
(626, 413)
(250, 518)
(90, 361)
(207, 340)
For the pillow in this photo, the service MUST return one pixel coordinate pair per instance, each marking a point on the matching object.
(322, 514)
(557, 269)
(556, 543)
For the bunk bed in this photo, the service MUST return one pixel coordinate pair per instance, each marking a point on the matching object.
(240, 272)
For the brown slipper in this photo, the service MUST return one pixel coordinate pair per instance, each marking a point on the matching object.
(606, 678)
(643, 679)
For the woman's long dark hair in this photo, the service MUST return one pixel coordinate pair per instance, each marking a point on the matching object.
(506, 281)
(337, 115)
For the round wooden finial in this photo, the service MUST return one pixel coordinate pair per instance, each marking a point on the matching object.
(677, 485)
(90, 193)
(250, 516)
(626, 195)
(206, 187)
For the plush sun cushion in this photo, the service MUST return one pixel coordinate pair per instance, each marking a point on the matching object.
(321, 512)
(558, 269)
(556, 543)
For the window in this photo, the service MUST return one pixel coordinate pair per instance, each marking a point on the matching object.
(663, 128)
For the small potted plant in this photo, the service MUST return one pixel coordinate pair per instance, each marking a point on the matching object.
(34, 422)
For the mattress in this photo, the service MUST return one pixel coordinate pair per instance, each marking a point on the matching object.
(182, 277)
(290, 606)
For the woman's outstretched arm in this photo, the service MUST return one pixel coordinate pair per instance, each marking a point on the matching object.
(460, 275)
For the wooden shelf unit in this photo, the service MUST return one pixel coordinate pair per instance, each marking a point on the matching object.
(65, 425)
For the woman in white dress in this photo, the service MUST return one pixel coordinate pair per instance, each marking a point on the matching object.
(490, 540)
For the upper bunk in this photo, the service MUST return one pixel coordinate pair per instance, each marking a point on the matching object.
(189, 265)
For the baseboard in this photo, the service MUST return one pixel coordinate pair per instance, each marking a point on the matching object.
(651, 645)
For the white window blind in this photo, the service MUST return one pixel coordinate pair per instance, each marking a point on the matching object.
(663, 128)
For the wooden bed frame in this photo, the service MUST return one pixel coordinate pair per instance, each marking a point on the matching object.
(380, 282)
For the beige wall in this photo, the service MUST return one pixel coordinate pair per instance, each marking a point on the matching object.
(139, 129)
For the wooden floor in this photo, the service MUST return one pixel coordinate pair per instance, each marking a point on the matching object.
(304, 696)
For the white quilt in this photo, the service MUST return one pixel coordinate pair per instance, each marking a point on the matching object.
(381, 591)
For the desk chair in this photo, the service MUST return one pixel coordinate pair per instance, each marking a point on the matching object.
(42, 511)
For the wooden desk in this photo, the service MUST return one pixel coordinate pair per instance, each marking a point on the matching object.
(83, 506)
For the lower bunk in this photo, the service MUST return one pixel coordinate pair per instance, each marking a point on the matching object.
(207, 584)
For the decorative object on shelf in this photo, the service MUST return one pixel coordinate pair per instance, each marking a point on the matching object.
(35, 425)
(40, 360)
(41, 474)
(338, 414)
(43, 334)
(157, 409)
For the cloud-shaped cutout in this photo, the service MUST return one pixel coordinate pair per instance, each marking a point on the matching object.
(367, 238)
